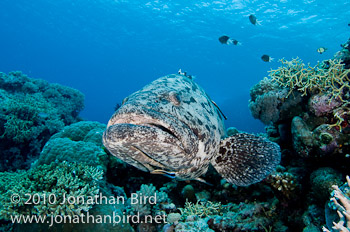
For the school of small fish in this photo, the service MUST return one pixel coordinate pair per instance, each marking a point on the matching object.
(253, 20)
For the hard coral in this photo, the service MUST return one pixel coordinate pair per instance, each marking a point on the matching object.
(49, 185)
(270, 104)
(29, 115)
(201, 209)
(327, 76)
(256, 216)
(322, 180)
(80, 142)
(284, 182)
(149, 202)
(342, 204)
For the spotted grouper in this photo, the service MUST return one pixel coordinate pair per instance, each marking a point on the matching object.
(172, 127)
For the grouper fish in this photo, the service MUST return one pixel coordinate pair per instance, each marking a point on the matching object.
(172, 127)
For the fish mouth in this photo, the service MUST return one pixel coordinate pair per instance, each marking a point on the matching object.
(150, 140)
(164, 122)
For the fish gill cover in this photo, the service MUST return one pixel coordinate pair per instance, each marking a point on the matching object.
(108, 49)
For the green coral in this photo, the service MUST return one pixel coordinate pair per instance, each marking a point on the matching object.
(340, 202)
(328, 76)
(80, 142)
(54, 182)
(143, 207)
(201, 209)
(254, 216)
(64, 149)
(31, 111)
(88, 131)
(27, 116)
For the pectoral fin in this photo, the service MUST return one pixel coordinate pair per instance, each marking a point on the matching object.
(246, 159)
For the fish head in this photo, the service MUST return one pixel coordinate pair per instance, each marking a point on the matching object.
(164, 128)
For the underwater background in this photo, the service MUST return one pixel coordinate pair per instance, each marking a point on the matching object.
(66, 66)
(109, 49)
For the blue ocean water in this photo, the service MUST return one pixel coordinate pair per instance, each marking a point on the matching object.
(110, 48)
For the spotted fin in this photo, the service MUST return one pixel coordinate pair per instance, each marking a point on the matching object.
(246, 159)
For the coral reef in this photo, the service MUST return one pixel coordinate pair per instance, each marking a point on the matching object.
(313, 101)
(306, 110)
(322, 180)
(270, 104)
(284, 182)
(149, 202)
(31, 111)
(79, 142)
(201, 209)
(256, 216)
(341, 203)
(54, 183)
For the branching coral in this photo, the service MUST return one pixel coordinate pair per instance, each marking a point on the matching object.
(46, 187)
(253, 216)
(342, 203)
(327, 76)
(144, 207)
(201, 209)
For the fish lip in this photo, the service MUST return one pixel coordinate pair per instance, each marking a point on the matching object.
(140, 121)
(152, 118)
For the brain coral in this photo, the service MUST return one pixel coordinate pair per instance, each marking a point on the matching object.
(31, 111)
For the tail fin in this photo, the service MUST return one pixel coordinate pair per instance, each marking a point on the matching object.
(246, 159)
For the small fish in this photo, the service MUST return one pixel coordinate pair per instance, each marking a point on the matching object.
(267, 58)
(253, 20)
(43, 115)
(172, 127)
(235, 42)
(227, 40)
(185, 74)
(322, 50)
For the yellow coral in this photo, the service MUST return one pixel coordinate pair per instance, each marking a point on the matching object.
(284, 182)
(295, 75)
(328, 76)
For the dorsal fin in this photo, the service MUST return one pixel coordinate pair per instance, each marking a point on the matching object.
(246, 159)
